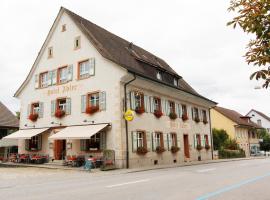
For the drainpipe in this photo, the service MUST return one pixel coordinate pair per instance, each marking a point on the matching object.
(211, 134)
(126, 122)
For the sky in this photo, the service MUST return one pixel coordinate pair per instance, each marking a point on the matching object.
(191, 36)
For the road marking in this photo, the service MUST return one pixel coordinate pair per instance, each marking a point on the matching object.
(206, 170)
(232, 187)
(128, 183)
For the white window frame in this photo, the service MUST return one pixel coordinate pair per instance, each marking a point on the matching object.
(63, 74)
(140, 139)
(93, 99)
(84, 69)
(62, 106)
(44, 80)
(158, 139)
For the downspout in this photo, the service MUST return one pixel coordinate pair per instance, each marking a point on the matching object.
(211, 135)
(126, 122)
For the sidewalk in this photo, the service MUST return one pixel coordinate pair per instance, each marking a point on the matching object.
(133, 170)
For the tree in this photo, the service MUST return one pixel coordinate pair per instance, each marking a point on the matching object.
(219, 138)
(265, 144)
(18, 114)
(254, 17)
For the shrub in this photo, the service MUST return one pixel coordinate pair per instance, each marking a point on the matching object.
(175, 149)
(199, 147)
(158, 113)
(173, 116)
(139, 110)
(91, 109)
(33, 117)
(227, 153)
(59, 113)
(220, 136)
(141, 150)
(231, 144)
(207, 147)
(160, 149)
(197, 119)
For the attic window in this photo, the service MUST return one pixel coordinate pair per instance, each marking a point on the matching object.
(159, 77)
(50, 52)
(64, 27)
(77, 42)
(175, 82)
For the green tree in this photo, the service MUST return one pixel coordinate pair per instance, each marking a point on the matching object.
(265, 144)
(220, 136)
(231, 144)
(253, 17)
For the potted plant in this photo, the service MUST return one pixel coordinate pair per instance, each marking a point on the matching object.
(175, 149)
(59, 113)
(173, 115)
(160, 149)
(91, 109)
(158, 113)
(197, 119)
(184, 117)
(33, 117)
(205, 121)
(207, 147)
(141, 150)
(139, 110)
(199, 147)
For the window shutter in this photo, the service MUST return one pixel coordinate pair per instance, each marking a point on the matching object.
(92, 66)
(54, 77)
(83, 103)
(41, 109)
(53, 107)
(132, 100)
(146, 103)
(202, 141)
(103, 140)
(178, 141)
(177, 109)
(163, 106)
(28, 110)
(36, 81)
(134, 141)
(39, 144)
(83, 145)
(151, 101)
(195, 141)
(153, 142)
(148, 141)
(165, 141)
(68, 108)
(49, 81)
(102, 100)
(200, 114)
(192, 113)
(70, 72)
(26, 142)
(169, 141)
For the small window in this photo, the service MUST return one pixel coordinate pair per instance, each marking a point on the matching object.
(198, 139)
(174, 139)
(195, 114)
(43, 80)
(50, 52)
(34, 144)
(157, 104)
(64, 27)
(62, 75)
(175, 82)
(259, 122)
(204, 116)
(206, 140)
(86, 68)
(172, 106)
(139, 100)
(35, 108)
(61, 104)
(93, 100)
(77, 42)
(159, 77)
(141, 139)
(92, 144)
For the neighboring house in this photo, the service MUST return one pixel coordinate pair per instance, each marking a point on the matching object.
(238, 127)
(82, 82)
(260, 118)
(8, 124)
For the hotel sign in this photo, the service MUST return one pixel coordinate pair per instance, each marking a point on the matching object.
(178, 125)
(62, 89)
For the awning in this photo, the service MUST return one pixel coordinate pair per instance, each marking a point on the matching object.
(8, 143)
(26, 133)
(78, 132)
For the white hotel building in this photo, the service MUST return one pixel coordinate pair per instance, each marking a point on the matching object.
(74, 98)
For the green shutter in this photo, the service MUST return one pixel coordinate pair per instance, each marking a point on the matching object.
(26, 145)
(68, 107)
(92, 66)
(41, 109)
(132, 100)
(102, 100)
(39, 145)
(153, 142)
(36, 81)
(148, 141)
(103, 140)
(146, 103)
(53, 107)
(70, 72)
(83, 103)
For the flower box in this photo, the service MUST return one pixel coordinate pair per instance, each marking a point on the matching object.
(199, 147)
(160, 149)
(139, 110)
(197, 119)
(175, 149)
(205, 121)
(158, 113)
(207, 147)
(59, 113)
(33, 117)
(141, 150)
(92, 109)
(173, 116)
(184, 117)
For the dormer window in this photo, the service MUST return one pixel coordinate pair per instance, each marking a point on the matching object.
(50, 52)
(175, 82)
(159, 77)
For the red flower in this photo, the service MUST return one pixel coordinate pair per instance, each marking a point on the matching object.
(91, 109)
(59, 113)
(184, 117)
(33, 117)
(139, 110)
(158, 113)
(141, 150)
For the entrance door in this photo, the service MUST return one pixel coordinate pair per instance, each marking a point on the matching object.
(59, 149)
(186, 146)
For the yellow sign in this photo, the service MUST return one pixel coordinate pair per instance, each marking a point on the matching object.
(129, 115)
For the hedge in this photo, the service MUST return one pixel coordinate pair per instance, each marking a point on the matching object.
(226, 153)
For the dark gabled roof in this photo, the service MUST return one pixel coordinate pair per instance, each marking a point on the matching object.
(260, 113)
(128, 55)
(236, 117)
(7, 118)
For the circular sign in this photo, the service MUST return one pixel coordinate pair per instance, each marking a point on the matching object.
(129, 115)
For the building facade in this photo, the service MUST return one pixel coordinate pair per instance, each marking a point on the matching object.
(260, 118)
(238, 127)
(81, 84)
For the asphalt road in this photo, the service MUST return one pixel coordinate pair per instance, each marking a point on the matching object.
(246, 179)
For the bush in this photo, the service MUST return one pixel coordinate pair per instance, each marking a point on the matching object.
(227, 153)
(175, 149)
(173, 116)
(231, 144)
(220, 136)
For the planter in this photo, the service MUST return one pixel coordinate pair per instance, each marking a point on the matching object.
(33, 117)
(173, 116)
(139, 110)
(207, 147)
(197, 119)
(199, 147)
(184, 117)
(59, 113)
(141, 150)
(205, 121)
(175, 149)
(158, 113)
(160, 149)
(92, 109)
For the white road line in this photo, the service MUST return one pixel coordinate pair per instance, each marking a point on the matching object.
(206, 170)
(128, 183)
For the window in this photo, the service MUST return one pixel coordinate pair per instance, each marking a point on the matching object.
(204, 116)
(184, 110)
(34, 144)
(92, 144)
(35, 108)
(195, 113)
(174, 139)
(77, 43)
(140, 139)
(93, 99)
(61, 104)
(64, 27)
(50, 52)
(259, 122)
(139, 100)
(3, 133)
(171, 107)
(62, 74)
(43, 80)
(206, 140)
(175, 82)
(159, 77)
(86, 68)
(157, 104)
(158, 139)
(198, 139)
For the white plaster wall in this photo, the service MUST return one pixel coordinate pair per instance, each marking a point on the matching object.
(256, 117)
